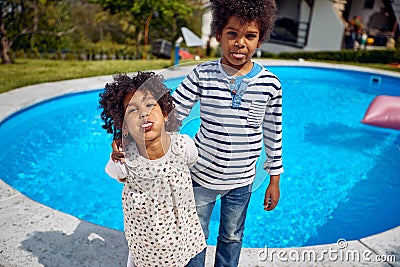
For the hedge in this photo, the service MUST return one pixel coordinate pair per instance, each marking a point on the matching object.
(360, 56)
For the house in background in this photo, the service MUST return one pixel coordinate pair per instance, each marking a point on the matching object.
(319, 25)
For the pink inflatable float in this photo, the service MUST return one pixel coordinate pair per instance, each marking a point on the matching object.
(384, 111)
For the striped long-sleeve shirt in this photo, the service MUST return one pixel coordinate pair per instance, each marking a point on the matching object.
(230, 139)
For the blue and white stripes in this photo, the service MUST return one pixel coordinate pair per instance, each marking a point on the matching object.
(230, 139)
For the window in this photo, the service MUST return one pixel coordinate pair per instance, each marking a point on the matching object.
(369, 4)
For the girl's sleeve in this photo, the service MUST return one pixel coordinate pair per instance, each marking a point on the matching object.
(191, 154)
(187, 94)
(116, 170)
(272, 127)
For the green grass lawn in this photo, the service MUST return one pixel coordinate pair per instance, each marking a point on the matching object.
(28, 71)
(32, 71)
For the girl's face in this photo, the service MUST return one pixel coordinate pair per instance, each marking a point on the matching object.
(238, 43)
(143, 119)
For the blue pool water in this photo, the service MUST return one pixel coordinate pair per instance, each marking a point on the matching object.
(341, 180)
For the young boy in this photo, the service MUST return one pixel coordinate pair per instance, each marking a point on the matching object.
(240, 105)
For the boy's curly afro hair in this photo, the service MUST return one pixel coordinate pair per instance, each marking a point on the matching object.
(112, 100)
(263, 12)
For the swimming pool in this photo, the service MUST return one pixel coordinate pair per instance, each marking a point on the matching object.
(341, 177)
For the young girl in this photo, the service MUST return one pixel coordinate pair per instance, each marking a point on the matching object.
(240, 112)
(160, 220)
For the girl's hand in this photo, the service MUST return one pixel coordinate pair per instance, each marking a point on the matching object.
(117, 154)
(272, 193)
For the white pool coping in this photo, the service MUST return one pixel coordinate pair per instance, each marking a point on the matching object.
(32, 234)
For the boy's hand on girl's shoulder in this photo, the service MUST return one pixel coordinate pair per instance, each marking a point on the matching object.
(272, 193)
(117, 154)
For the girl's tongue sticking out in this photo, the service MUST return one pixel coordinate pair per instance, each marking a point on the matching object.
(147, 126)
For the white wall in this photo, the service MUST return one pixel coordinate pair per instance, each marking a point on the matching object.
(206, 29)
(326, 29)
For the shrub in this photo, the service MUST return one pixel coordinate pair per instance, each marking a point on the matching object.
(361, 56)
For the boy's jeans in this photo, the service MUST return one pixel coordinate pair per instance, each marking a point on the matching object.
(234, 205)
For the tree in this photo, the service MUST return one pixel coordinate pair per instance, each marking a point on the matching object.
(97, 28)
(91, 25)
(144, 12)
(31, 19)
(4, 42)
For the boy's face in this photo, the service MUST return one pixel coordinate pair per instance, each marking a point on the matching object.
(238, 43)
(143, 119)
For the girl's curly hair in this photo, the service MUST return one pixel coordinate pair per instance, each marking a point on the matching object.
(263, 12)
(112, 100)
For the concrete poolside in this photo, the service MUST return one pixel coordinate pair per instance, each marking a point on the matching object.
(32, 234)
